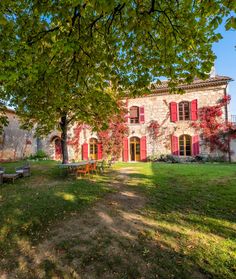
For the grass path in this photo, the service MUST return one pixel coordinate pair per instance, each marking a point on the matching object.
(103, 242)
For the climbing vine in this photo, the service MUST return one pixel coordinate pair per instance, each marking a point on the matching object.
(74, 141)
(112, 138)
(215, 131)
(153, 129)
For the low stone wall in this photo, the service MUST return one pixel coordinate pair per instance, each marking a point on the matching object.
(233, 148)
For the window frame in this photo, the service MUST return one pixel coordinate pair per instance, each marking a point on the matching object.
(184, 111)
(93, 149)
(134, 120)
(183, 143)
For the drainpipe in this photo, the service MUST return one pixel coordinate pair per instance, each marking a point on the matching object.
(226, 121)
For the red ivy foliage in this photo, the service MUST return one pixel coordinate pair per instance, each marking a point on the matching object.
(112, 138)
(28, 141)
(215, 131)
(75, 140)
(153, 129)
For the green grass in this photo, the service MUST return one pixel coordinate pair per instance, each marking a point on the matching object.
(31, 205)
(187, 229)
(194, 207)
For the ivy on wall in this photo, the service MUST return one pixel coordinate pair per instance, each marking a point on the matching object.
(112, 138)
(215, 131)
(74, 141)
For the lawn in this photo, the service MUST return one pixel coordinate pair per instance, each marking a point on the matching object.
(194, 206)
(32, 204)
(185, 229)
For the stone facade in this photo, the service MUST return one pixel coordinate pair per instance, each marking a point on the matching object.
(16, 143)
(157, 107)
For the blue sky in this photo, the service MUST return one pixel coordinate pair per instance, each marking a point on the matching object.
(225, 63)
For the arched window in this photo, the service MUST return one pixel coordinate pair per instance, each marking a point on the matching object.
(185, 145)
(134, 114)
(184, 111)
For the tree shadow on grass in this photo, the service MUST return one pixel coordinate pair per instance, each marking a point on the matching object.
(119, 238)
(112, 240)
(31, 205)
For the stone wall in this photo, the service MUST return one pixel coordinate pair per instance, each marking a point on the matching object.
(233, 148)
(156, 108)
(16, 143)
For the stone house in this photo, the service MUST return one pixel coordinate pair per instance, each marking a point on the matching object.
(174, 114)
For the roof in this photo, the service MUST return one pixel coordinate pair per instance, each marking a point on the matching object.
(10, 110)
(197, 83)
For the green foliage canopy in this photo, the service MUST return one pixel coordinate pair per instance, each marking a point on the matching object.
(75, 58)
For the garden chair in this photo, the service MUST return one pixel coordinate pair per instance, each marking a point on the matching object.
(83, 170)
(93, 167)
(101, 166)
(110, 163)
(2, 169)
(23, 171)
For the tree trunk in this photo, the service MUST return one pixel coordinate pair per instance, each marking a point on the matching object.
(64, 149)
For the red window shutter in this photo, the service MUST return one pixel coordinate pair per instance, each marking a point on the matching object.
(141, 115)
(194, 109)
(125, 149)
(175, 145)
(143, 148)
(99, 151)
(173, 112)
(195, 145)
(85, 151)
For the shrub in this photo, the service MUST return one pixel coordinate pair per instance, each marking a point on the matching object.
(153, 158)
(40, 155)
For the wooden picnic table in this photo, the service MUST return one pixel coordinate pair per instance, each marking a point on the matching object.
(74, 167)
(78, 164)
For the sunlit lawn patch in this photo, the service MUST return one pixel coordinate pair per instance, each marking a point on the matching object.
(194, 207)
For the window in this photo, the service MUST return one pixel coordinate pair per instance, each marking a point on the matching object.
(134, 114)
(184, 111)
(135, 149)
(93, 148)
(185, 145)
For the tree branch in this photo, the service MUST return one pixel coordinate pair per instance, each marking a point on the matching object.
(31, 41)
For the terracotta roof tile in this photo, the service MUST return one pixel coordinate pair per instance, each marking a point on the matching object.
(212, 81)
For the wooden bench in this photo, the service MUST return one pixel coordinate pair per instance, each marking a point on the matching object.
(2, 170)
(1, 177)
(23, 171)
(10, 177)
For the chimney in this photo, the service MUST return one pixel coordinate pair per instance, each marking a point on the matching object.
(213, 72)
